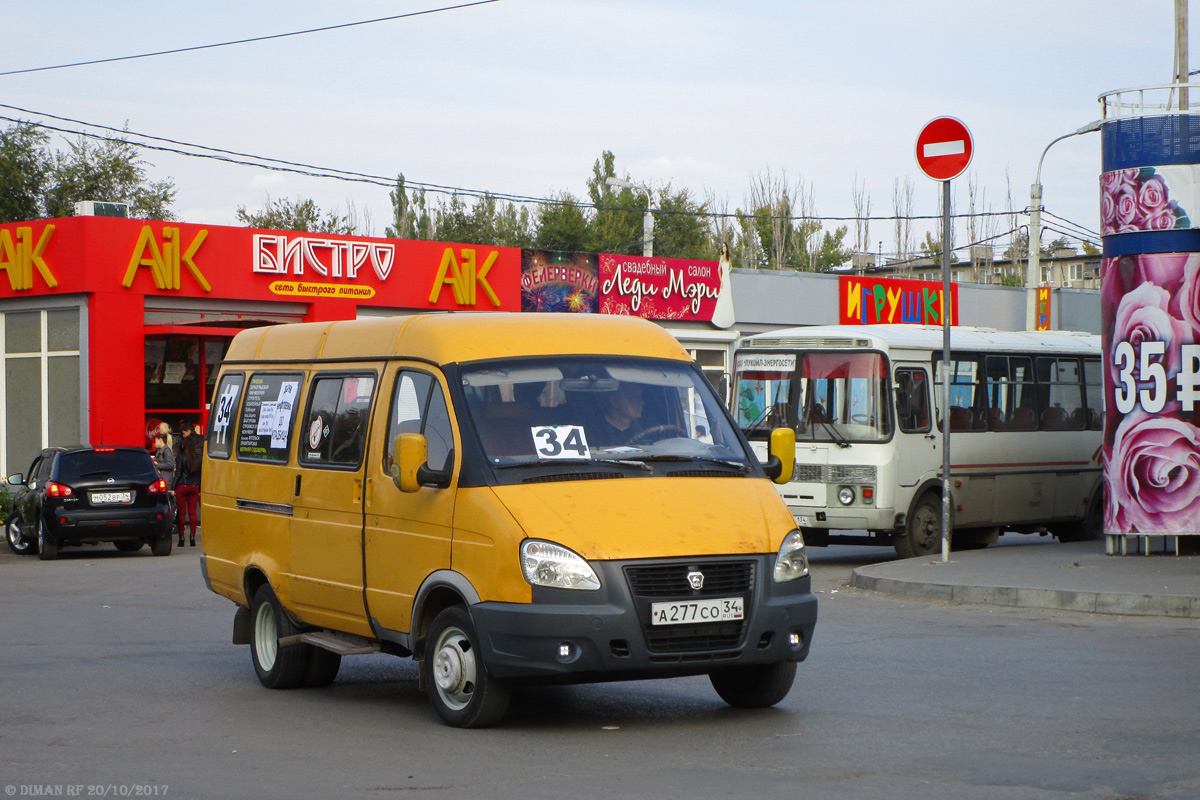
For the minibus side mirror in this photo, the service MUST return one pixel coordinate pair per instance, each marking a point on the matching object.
(410, 468)
(15, 480)
(781, 460)
(412, 451)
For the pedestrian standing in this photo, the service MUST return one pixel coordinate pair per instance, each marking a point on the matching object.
(164, 458)
(187, 482)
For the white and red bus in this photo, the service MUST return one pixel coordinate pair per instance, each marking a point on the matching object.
(865, 402)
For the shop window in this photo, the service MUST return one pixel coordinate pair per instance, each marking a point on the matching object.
(40, 383)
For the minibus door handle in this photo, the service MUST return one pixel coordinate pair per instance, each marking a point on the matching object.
(297, 486)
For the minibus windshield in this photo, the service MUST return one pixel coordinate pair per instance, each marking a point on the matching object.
(569, 409)
(826, 396)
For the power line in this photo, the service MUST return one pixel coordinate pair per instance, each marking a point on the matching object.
(247, 41)
(314, 171)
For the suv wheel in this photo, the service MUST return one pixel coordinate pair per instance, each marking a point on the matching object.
(16, 542)
(47, 547)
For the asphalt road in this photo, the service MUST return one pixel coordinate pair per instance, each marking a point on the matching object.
(120, 681)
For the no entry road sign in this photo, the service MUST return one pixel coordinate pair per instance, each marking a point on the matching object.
(944, 148)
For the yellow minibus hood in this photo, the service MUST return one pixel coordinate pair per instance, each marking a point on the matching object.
(652, 517)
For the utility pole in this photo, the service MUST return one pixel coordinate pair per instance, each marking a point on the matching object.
(1181, 53)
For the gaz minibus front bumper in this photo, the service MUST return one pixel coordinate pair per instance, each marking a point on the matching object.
(609, 633)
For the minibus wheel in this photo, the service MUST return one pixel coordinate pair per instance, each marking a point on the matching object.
(923, 535)
(754, 686)
(277, 667)
(462, 691)
(322, 669)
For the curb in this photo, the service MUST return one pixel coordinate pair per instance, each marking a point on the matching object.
(1182, 606)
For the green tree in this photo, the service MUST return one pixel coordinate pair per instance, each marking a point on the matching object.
(25, 166)
(300, 215)
(1090, 249)
(931, 248)
(616, 224)
(680, 230)
(488, 221)
(561, 225)
(833, 251)
(410, 217)
(111, 171)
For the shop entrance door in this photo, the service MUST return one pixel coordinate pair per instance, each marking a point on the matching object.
(180, 372)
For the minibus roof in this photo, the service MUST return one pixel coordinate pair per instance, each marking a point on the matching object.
(456, 337)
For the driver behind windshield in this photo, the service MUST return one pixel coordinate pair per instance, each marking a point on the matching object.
(622, 417)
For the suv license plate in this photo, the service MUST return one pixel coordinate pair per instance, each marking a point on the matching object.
(108, 498)
(691, 611)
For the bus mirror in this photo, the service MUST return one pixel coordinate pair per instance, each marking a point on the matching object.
(412, 451)
(782, 455)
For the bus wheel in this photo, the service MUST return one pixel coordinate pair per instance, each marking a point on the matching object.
(1088, 529)
(923, 537)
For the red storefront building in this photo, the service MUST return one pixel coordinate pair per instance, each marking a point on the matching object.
(109, 325)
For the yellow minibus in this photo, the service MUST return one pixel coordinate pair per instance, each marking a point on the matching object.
(506, 498)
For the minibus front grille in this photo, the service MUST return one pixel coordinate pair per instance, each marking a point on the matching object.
(695, 638)
(572, 476)
(721, 578)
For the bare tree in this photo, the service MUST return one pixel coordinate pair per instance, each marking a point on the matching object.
(902, 206)
(862, 220)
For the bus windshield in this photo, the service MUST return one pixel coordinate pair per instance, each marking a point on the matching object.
(823, 396)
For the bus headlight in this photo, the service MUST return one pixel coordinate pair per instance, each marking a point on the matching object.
(846, 495)
(549, 564)
(792, 561)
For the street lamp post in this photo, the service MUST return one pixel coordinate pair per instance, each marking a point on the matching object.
(1033, 272)
(647, 218)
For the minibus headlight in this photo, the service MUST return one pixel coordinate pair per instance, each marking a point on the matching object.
(846, 495)
(549, 564)
(792, 561)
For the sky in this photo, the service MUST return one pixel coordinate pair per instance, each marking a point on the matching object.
(522, 96)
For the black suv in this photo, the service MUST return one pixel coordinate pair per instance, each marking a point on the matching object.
(85, 495)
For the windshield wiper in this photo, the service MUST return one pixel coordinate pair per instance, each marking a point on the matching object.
(835, 434)
(555, 462)
(739, 466)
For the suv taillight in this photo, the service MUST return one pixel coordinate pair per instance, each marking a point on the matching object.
(56, 489)
(158, 486)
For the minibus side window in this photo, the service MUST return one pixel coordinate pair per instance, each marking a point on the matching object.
(268, 411)
(335, 428)
(220, 426)
(419, 406)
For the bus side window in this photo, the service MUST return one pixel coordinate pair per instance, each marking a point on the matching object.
(1094, 388)
(912, 400)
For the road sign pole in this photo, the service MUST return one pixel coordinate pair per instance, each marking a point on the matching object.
(947, 305)
(944, 150)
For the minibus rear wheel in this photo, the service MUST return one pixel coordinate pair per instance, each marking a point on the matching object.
(754, 686)
(277, 667)
(461, 690)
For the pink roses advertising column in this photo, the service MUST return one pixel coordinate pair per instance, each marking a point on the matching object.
(1150, 307)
